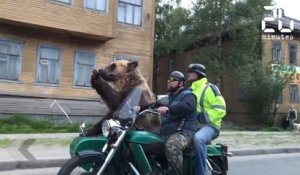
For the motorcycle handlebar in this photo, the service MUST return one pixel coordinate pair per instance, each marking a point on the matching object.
(153, 111)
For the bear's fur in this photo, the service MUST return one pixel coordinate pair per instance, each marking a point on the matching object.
(123, 76)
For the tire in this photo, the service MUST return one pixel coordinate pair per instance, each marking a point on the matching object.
(70, 167)
(218, 166)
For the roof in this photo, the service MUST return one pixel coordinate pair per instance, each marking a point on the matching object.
(285, 22)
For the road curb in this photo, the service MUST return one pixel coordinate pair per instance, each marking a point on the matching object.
(265, 151)
(31, 164)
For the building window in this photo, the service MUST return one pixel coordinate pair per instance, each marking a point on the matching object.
(171, 64)
(10, 60)
(293, 54)
(278, 100)
(242, 95)
(131, 58)
(157, 67)
(276, 52)
(63, 1)
(126, 57)
(48, 65)
(130, 12)
(98, 5)
(294, 97)
(84, 64)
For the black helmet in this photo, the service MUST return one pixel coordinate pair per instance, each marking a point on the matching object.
(177, 75)
(198, 68)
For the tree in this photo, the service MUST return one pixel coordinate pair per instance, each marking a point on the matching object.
(219, 21)
(229, 35)
(210, 22)
(171, 36)
(171, 21)
(262, 87)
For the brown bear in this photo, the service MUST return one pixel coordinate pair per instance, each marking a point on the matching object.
(123, 75)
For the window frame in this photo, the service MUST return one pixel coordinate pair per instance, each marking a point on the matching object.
(126, 57)
(291, 93)
(20, 59)
(276, 52)
(134, 5)
(96, 10)
(171, 63)
(75, 66)
(38, 69)
(60, 2)
(279, 100)
(295, 46)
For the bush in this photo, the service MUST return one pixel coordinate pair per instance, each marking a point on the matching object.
(24, 124)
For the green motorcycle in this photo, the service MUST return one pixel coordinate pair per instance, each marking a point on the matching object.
(123, 150)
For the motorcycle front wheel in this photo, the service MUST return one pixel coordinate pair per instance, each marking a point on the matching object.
(85, 166)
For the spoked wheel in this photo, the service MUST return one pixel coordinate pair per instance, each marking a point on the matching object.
(85, 166)
(217, 165)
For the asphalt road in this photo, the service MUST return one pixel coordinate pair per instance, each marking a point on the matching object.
(41, 171)
(271, 164)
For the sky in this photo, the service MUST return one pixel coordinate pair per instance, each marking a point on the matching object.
(291, 7)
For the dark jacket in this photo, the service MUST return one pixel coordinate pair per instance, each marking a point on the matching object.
(181, 115)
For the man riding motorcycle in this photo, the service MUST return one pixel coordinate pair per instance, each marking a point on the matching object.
(211, 108)
(124, 149)
(179, 120)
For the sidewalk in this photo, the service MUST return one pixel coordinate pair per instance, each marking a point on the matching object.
(19, 151)
(242, 143)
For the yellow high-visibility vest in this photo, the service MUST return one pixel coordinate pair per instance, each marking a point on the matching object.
(209, 101)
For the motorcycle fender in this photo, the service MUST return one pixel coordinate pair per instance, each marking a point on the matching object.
(90, 153)
(81, 143)
(214, 150)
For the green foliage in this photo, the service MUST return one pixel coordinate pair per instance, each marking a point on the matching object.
(245, 33)
(219, 21)
(170, 28)
(262, 87)
(24, 124)
(212, 24)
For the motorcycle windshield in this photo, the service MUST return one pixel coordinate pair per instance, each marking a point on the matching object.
(126, 109)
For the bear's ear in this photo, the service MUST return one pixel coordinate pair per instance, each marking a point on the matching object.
(132, 65)
(112, 66)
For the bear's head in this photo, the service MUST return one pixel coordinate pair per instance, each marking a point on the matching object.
(117, 69)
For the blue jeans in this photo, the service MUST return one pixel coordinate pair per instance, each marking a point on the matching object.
(201, 139)
(292, 121)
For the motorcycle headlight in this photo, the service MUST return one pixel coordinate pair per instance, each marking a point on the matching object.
(107, 127)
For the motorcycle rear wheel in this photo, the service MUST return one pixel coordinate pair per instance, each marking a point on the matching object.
(74, 166)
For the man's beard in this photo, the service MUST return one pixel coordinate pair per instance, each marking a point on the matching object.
(173, 89)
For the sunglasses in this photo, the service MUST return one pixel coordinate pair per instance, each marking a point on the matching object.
(171, 79)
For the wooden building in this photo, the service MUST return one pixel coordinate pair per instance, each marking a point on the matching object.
(282, 47)
(277, 48)
(49, 47)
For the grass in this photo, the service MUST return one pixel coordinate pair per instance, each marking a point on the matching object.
(24, 124)
(53, 141)
(255, 128)
(5, 143)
